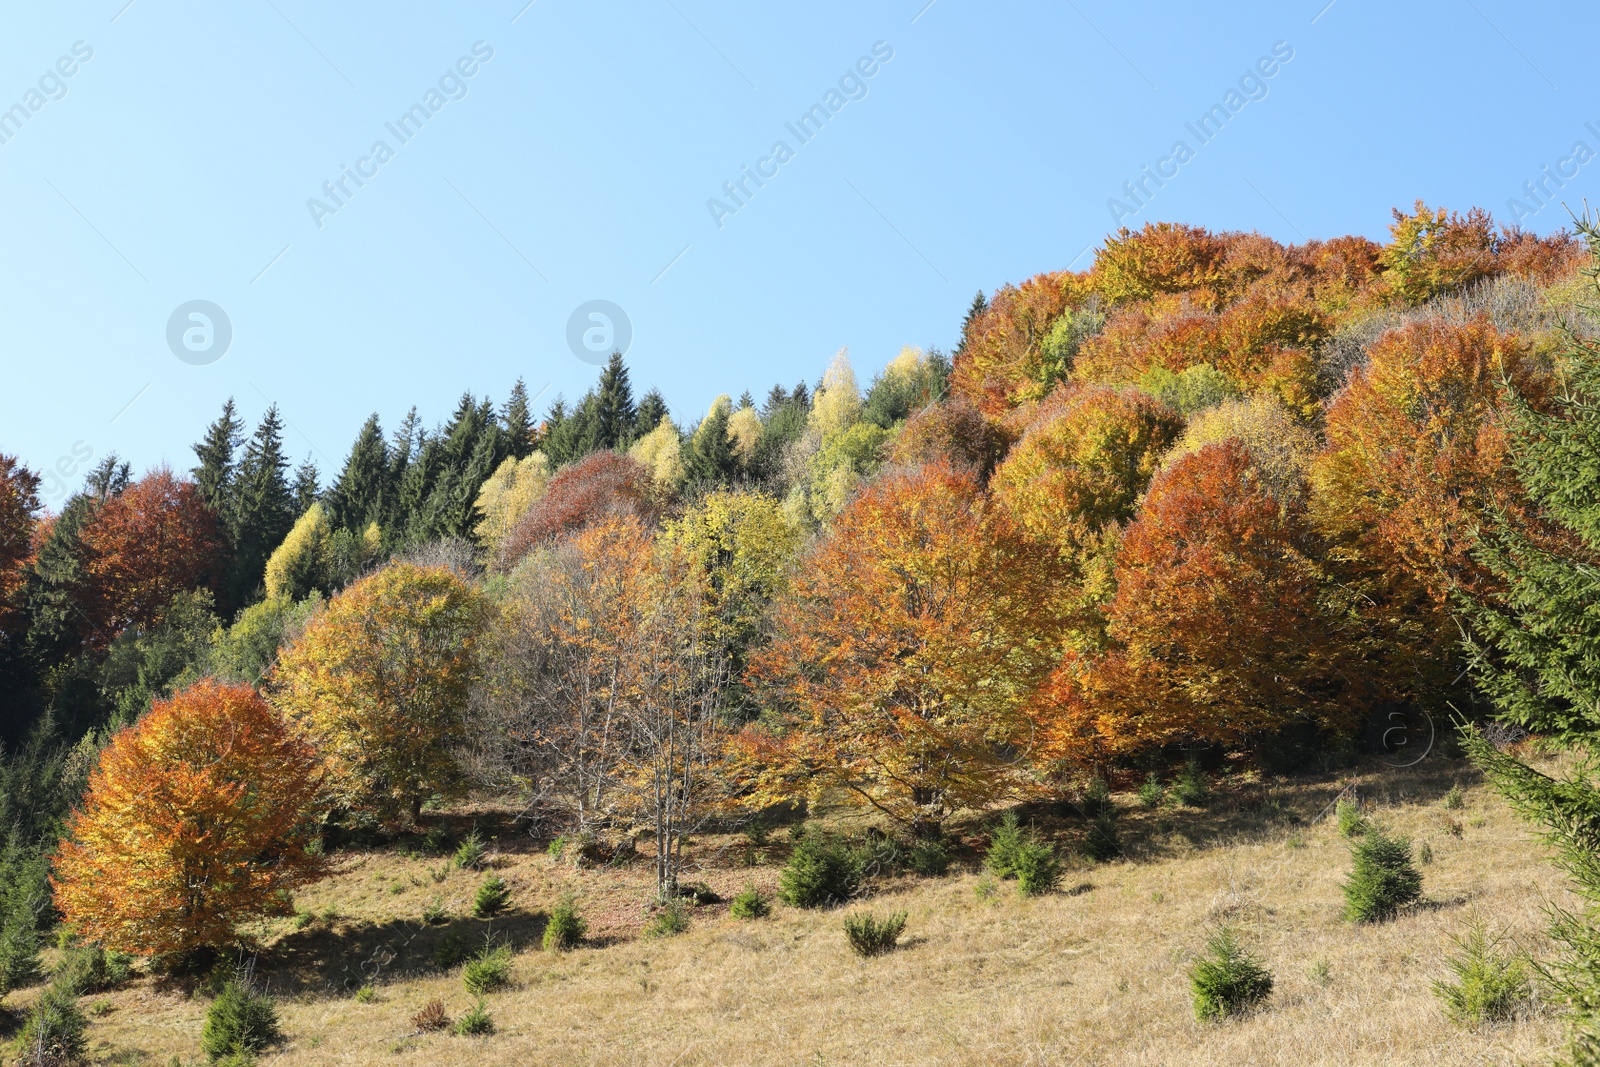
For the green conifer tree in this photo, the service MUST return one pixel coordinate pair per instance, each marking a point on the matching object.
(361, 494)
(979, 305)
(517, 420)
(652, 409)
(307, 484)
(263, 508)
(709, 457)
(214, 473)
(614, 410)
(1535, 649)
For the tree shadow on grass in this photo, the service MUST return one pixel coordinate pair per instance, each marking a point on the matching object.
(348, 955)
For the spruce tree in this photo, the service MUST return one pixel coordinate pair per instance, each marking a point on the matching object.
(710, 456)
(614, 411)
(571, 435)
(307, 485)
(980, 304)
(263, 509)
(517, 420)
(108, 478)
(214, 474)
(360, 495)
(1535, 650)
(652, 409)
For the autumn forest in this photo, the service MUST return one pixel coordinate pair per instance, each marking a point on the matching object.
(1213, 514)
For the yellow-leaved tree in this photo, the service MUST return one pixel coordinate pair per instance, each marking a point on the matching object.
(507, 495)
(380, 680)
(301, 563)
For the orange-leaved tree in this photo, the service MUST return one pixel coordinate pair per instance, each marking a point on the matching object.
(1416, 456)
(1223, 629)
(155, 539)
(199, 817)
(380, 680)
(906, 653)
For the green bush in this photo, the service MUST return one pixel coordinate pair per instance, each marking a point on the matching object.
(240, 1022)
(493, 894)
(1152, 793)
(1021, 854)
(879, 854)
(1489, 986)
(1096, 798)
(1103, 843)
(929, 857)
(1456, 798)
(750, 903)
(986, 889)
(1383, 879)
(1190, 787)
(758, 831)
(670, 919)
(471, 853)
(822, 871)
(871, 936)
(88, 968)
(435, 912)
(476, 1022)
(1005, 839)
(488, 971)
(453, 951)
(436, 840)
(54, 1034)
(1227, 980)
(566, 928)
(1037, 868)
(1347, 813)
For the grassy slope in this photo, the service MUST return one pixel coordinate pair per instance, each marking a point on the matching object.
(1094, 974)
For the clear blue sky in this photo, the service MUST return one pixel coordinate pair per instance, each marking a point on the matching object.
(177, 162)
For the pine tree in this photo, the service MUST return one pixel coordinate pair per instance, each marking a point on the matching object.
(571, 435)
(614, 409)
(361, 495)
(1533, 649)
(517, 419)
(214, 475)
(778, 397)
(980, 304)
(710, 454)
(307, 485)
(263, 511)
(652, 409)
(108, 478)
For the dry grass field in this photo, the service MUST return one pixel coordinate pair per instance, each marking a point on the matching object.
(1093, 974)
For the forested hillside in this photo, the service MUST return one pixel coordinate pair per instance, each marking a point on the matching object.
(1215, 509)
